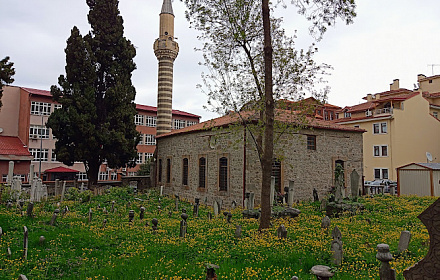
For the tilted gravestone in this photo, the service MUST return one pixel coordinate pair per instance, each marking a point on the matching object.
(29, 210)
(325, 224)
(405, 238)
(282, 232)
(384, 255)
(429, 267)
(183, 225)
(238, 231)
(54, 216)
(90, 215)
(142, 213)
(354, 180)
(336, 246)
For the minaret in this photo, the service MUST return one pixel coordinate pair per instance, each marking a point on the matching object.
(166, 50)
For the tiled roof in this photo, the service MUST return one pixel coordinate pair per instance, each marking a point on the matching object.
(37, 91)
(13, 146)
(431, 95)
(392, 92)
(281, 115)
(360, 107)
(154, 109)
(61, 169)
(373, 104)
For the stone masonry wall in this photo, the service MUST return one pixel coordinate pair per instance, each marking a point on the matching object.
(307, 168)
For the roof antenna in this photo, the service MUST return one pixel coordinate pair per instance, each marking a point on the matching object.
(432, 67)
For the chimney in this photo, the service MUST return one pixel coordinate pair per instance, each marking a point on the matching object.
(369, 97)
(395, 85)
(420, 77)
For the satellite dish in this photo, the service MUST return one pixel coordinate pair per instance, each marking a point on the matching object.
(1, 130)
(428, 156)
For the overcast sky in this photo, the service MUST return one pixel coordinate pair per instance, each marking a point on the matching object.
(391, 39)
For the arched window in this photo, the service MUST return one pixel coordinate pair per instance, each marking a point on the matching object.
(223, 174)
(168, 170)
(185, 172)
(202, 172)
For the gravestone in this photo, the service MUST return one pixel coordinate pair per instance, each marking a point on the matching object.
(142, 213)
(1, 232)
(233, 204)
(354, 180)
(210, 271)
(10, 173)
(251, 201)
(33, 192)
(325, 224)
(209, 216)
(183, 225)
(405, 238)
(63, 191)
(336, 246)
(154, 222)
(16, 187)
(384, 255)
(246, 200)
(315, 195)
(130, 216)
(216, 208)
(22, 277)
(323, 206)
(290, 194)
(177, 202)
(25, 242)
(272, 190)
(294, 278)
(196, 208)
(82, 188)
(9, 204)
(282, 232)
(228, 217)
(104, 211)
(9, 253)
(113, 206)
(161, 190)
(65, 210)
(322, 272)
(42, 240)
(57, 187)
(104, 223)
(90, 215)
(54, 216)
(29, 209)
(428, 267)
(238, 231)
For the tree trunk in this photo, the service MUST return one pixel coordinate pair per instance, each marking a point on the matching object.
(92, 169)
(269, 120)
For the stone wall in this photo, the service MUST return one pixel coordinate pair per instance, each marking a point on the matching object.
(307, 168)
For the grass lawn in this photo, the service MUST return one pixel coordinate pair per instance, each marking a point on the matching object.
(78, 249)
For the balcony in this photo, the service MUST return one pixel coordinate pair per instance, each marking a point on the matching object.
(384, 111)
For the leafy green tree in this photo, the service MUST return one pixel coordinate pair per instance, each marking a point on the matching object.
(144, 169)
(95, 123)
(253, 64)
(6, 72)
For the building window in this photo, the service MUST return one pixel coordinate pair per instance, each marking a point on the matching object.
(168, 170)
(190, 123)
(151, 121)
(178, 124)
(311, 142)
(139, 158)
(202, 172)
(326, 116)
(347, 115)
(185, 172)
(380, 151)
(53, 156)
(223, 174)
(380, 128)
(38, 131)
(148, 156)
(113, 176)
(57, 106)
(40, 108)
(139, 120)
(103, 176)
(37, 154)
(82, 176)
(150, 139)
(357, 126)
(160, 171)
(435, 114)
(380, 173)
(141, 139)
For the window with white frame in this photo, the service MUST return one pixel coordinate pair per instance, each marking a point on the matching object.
(139, 120)
(53, 156)
(380, 128)
(435, 115)
(38, 131)
(150, 139)
(141, 139)
(82, 176)
(131, 174)
(148, 156)
(380, 151)
(4, 177)
(190, 123)
(57, 106)
(103, 176)
(150, 121)
(40, 108)
(139, 158)
(380, 173)
(347, 115)
(113, 176)
(178, 124)
(37, 154)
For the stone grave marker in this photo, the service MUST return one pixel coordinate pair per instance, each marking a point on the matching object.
(16, 187)
(9, 204)
(216, 208)
(251, 200)
(113, 206)
(90, 215)
(22, 277)
(104, 211)
(196, 208)
(54, 216)
(161, 190)
(183, 225)
(42, 240)
(1, 232)
(228, 217)
(29, 209)
(325, 224)
(405, 238)
(209, 216)
(315, 195)
(10, 173)
(238, 231)
(384, 255)
(322, 272)
(142, 213)
(104, 223)
(272, 191)
(130, 216)
(282, 232)
(233, 204)
(428, 267)
(323, 205)
(210, 271)
(246, 200)
(354, 180)
(57, 187)
(154, 222)
(63, 191)
(9, 253)
(177, 202)
(25, 242)
(290, 193)
(339, 184)
(336, 246)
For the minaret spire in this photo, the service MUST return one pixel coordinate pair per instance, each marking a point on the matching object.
(166, 50)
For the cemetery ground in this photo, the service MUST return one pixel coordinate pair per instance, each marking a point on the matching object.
(80, 245)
